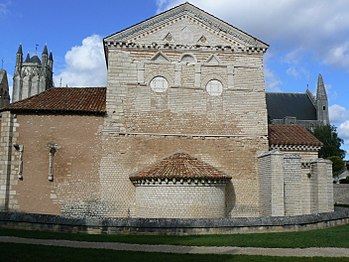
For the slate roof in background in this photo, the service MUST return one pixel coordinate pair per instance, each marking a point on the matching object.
(180, 165)
(63, 100)
(281, 105)
(292, 135)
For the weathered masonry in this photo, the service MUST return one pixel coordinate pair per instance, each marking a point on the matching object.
(180, 131)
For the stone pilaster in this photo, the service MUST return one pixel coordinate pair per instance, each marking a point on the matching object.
(292, 185)
(6, 148)
(271, 182)
(322, 187)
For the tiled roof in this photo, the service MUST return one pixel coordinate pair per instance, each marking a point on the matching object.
(178, 166)
(64, 100)
(291, 135)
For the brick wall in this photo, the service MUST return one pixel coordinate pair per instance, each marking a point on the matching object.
(76, 161)
(127, 155)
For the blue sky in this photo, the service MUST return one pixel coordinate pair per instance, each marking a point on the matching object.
(305, 37)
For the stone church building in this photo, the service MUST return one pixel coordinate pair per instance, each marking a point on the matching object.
(180, 131)
(299, 108)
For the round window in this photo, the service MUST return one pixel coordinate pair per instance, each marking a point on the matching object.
(214, 88)
(159, 84)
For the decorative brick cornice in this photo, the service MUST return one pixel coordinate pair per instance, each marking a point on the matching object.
(179, 182)
(295, 147)
(168, 46)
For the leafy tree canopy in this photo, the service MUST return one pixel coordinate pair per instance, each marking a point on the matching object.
(328, 136)
(337, 165)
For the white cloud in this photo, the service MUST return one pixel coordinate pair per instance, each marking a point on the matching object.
(272, 82)
(338, 114)
(85, 65)
(298, 72)
(4, 9)
(339, 56)
(313, 25)
(343, 132)
(294, 57)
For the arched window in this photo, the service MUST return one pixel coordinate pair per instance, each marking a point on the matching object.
(188, 59)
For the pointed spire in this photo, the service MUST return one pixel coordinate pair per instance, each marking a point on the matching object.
(20, 49)
(321, 91)
(45, 52)
(27, 59)
(51, 56)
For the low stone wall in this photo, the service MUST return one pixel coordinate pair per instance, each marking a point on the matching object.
(341, 193)
(93, 225)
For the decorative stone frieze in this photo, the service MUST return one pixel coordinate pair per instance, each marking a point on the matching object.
(295, 147)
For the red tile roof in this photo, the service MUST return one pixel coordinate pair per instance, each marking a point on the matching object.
(291, 135)
(71, 100)
(178, 166)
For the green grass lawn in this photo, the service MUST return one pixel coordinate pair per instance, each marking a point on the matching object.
(330, 237)
(27, 253)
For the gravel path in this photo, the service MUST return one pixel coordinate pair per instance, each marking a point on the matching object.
(296, 252)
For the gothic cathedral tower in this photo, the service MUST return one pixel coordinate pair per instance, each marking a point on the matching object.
(32, 76)
(4, 90)
(322, 102)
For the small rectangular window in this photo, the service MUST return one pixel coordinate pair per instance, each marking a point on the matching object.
(323, 107)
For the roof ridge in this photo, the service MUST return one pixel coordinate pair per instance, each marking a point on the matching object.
(286, 93)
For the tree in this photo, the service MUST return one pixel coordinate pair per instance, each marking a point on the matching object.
(337, 165)
(331, 142)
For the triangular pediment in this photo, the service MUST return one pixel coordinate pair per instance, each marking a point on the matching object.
(213, 60)
(160, 57)
(186, 24)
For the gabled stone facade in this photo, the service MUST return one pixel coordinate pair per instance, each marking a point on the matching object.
(184, 81)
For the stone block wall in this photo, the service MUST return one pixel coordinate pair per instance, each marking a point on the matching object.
(271, 184)
(227, 130)
(185, 107)
(286, 189)
(7, 194)
(292, 185)
(321, 186)
(195, 200)
(341, 193)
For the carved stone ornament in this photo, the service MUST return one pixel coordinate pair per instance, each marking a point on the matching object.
(214, 88)
(159, 84)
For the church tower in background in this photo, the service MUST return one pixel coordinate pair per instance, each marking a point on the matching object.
(322, 102)
(32, 76)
